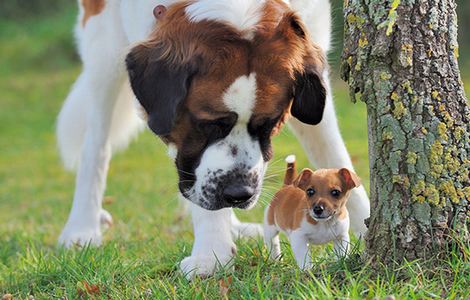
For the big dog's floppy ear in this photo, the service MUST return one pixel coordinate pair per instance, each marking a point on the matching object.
(309, 90)
(159, 86)
(309, 97)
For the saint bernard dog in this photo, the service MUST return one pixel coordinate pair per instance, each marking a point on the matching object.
(215, 80)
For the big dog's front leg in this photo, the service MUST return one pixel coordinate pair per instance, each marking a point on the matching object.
(213, 245)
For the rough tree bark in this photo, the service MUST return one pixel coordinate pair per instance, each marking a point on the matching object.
(400, 58)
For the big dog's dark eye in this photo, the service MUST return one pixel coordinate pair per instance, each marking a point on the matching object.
(310, 192)
(262, 127)
(218, 128)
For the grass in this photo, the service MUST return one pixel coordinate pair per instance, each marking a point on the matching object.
(141, 252)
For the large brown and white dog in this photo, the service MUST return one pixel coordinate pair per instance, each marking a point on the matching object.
(215, 80)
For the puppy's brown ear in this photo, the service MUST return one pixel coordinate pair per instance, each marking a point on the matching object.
(303, 179)
(159, 85)
(349, 178)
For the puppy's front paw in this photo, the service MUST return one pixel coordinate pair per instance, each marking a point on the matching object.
(204, 265)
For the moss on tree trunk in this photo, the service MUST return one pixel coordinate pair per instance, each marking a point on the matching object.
(400, 58)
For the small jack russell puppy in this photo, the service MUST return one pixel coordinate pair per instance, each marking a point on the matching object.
(310, 208)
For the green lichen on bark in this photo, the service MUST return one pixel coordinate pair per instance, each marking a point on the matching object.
(400, 58)
(391, 18)
(411, 158)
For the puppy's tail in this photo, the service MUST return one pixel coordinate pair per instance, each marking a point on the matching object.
(291, 171)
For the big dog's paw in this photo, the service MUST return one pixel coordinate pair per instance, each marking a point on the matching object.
(80, 235)
(203, 265)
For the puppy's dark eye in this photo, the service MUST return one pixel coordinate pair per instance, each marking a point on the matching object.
(335, 193)
(310, 192)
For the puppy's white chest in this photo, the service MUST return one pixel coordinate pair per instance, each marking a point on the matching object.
(325, 232)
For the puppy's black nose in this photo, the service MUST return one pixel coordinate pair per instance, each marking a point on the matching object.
(237, 194)
(318, 209)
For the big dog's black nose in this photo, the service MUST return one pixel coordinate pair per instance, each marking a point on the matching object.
(237, 194)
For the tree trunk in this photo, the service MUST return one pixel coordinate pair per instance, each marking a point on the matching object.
(400, 57)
